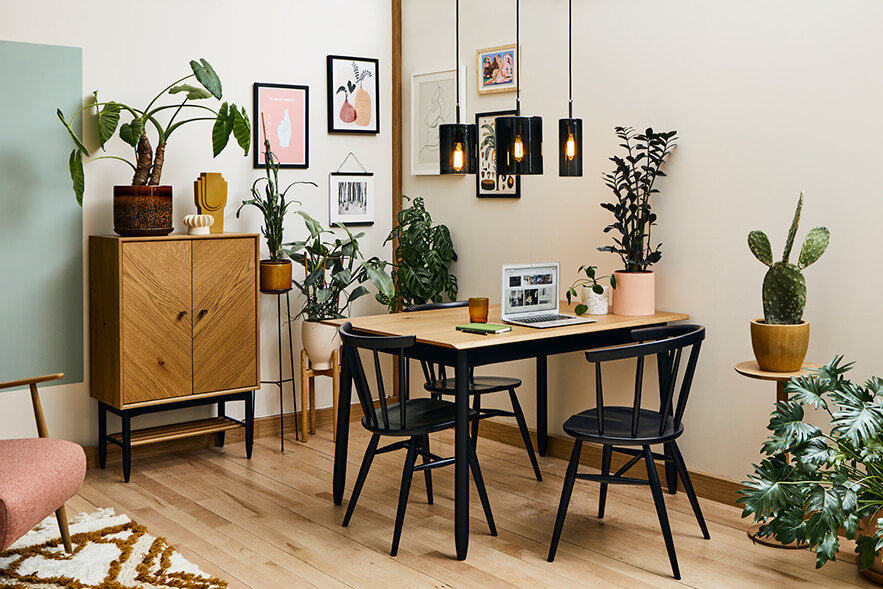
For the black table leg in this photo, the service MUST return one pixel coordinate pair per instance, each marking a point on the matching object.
(343, 427)
(542, 405)
(102, 435)
(461, 456)
(249, 423)
(127, 445)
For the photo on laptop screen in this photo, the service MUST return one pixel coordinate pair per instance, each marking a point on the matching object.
(531, 289)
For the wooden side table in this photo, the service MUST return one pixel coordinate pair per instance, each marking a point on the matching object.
(752, 370)
(308, 393)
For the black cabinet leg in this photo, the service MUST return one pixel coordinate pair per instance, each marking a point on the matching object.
(542, 405)
(249, 423)
(127, 446)
(222, 412)
(102, 435)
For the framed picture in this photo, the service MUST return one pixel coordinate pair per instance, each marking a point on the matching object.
(353, 95)
(433, 102)
(497, 69)
(351, 198)
(487, 182)
(285, 111)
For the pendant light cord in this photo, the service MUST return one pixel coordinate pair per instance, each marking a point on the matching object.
(569, 59)
(457, 37)
(517, 57)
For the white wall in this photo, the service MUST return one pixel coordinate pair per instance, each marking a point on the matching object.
(132, 50)
(768, 97)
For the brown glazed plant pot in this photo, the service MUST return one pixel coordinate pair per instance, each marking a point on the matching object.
(142, 210)
(779, 348)
(275, 276)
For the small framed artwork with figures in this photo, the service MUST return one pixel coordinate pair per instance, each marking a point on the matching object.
(283, 110)
(488, 182)
(497, 69)
(351, 198)
(353, 95)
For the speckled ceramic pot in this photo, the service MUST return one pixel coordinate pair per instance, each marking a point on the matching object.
(142, 210)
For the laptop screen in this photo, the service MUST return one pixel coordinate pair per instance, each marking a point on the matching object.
(528, 289)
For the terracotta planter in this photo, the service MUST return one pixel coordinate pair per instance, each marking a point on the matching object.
(275, 276)
(779, 348)
(319, 341)
(635, 293)
(142, 210)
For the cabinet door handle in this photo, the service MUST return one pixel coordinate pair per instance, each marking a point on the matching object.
(203, 313)
(181, 315)
(162, 362)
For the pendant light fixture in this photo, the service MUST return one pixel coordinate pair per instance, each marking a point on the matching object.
(570, 130)
(457, 141)
(519, 140)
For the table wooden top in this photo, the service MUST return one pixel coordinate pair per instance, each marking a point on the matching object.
(752, 370)
(437, 327)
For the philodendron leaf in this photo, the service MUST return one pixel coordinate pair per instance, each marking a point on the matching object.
(207, 77)
(77, 177)
(108, 119)
(221, 130)
(580, 309)
(241, 127)
(815, 245)
(193, 93)
(77, 141)
(380, 279)
(312, 225)
(598, 289)
(357, 292)
(131, 132)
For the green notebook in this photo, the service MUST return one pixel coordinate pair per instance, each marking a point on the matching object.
(484, 328)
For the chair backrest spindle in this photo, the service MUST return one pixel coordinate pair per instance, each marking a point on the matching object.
(639, 387)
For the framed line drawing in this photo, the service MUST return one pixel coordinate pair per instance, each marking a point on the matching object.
(351, 198)
(433, 103)
(487, 182)
(497, 69)
(285, 109)
(353, 94)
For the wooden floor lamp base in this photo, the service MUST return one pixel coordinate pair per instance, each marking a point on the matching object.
(308, 393)
(771, 541)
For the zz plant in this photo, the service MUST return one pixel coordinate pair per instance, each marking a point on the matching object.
(814, 483)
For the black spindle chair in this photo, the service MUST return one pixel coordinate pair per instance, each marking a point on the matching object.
(438, 383)
(413, 419)
(623, 429)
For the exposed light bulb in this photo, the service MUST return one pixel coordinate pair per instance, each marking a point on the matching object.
(518, 149)
(570, 146)
(458, 157)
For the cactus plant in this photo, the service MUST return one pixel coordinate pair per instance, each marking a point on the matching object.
(784, 287)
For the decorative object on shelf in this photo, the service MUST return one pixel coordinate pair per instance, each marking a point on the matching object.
(570, 130)
(333, 270)
(351, 195)
(781, 338)
(433, 103)
(286, 109)
(308, 374)
(488, 183)
(816, 483)
(210, 194)
(497, 69)
(457, 140)
(632, 182)
(145, 208)
(422, 259)
(198, 224)
(519, 139)
(353, 94)
(595, 297)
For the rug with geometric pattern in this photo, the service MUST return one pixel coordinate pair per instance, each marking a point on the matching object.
(110, 551)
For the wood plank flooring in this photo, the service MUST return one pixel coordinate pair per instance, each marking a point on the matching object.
(269, 522)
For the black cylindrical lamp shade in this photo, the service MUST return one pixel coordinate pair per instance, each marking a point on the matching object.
(519, 145)
(457, 148)
(570, 147)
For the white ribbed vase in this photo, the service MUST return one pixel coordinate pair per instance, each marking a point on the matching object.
(198, 224)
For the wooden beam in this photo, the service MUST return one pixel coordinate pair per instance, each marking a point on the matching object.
(396, 111)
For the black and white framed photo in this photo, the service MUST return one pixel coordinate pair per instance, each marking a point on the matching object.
(433, 103)
(351, 198)
(488, 183)
(353, 95)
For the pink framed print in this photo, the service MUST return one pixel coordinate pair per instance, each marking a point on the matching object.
(284, 110)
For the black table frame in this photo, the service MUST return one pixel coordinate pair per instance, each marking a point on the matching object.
(463, 361)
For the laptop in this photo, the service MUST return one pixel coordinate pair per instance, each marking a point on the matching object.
(530, 296)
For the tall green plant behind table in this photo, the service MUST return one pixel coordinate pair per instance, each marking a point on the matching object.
(423, 258)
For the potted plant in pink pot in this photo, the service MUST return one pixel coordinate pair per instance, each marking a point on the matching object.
(632, 182)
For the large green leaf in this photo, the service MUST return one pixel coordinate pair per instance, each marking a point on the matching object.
(787, 422)
(809, 390)
(241, 127)
(207, 77)
(313, 225)
(859, 424)
(221, 131)
(78, 179)
(131, 132)
(77, 141)
(108, 119)
(193, 93)
(378, 276)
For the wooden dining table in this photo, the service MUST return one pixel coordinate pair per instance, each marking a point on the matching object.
(438, 341)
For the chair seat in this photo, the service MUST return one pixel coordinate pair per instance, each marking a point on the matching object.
(36, 477)
(618, 427)
(479, 385)
(422, 416)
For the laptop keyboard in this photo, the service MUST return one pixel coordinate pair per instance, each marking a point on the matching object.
(544, 318)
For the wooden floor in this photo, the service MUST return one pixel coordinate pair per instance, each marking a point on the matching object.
(270, 522)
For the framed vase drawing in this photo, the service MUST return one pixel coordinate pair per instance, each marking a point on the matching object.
(433, 103)
(353, 94)
(497, 69)
(283, 110)
(487, 182)
(351, 198)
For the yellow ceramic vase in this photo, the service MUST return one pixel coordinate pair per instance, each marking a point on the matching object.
(362, 104)
(779, 348)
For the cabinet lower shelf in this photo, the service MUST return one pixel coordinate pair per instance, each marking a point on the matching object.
(177, 431)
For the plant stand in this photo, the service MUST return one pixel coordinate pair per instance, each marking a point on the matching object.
(281, 381)
(308, 393)
(752, 370)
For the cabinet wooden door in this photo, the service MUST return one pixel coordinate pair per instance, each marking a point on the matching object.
(156, 349)
(225, 311)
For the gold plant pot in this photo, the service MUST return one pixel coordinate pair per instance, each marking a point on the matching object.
(275, 276)
(779, 348)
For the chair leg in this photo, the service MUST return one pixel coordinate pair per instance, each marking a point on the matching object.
(360, 480)
(659, 501)
(606, 454)
(688, 488)
(525, 434)
(427, 474)
(482, 491)
(61, 516)
(407, 475)
(671, 471)
(566, 491)
(476, 406)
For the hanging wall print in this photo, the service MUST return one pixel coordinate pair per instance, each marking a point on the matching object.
(284, 110)
(353, 96)
(433, 103)
(489, 183)
(497, 69)
(351, 198)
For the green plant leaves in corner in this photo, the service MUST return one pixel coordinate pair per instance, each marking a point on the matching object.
(77, 177)
(241, 127)
(73, 135)
(193, 93)
(207, 77)
(221, 130)
(131, 132)
(108, 119)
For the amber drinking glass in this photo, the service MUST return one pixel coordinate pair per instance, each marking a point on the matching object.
(478, 309)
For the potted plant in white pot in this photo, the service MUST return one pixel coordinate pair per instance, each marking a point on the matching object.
(335, 272)
(595, 294)
(632, 182)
